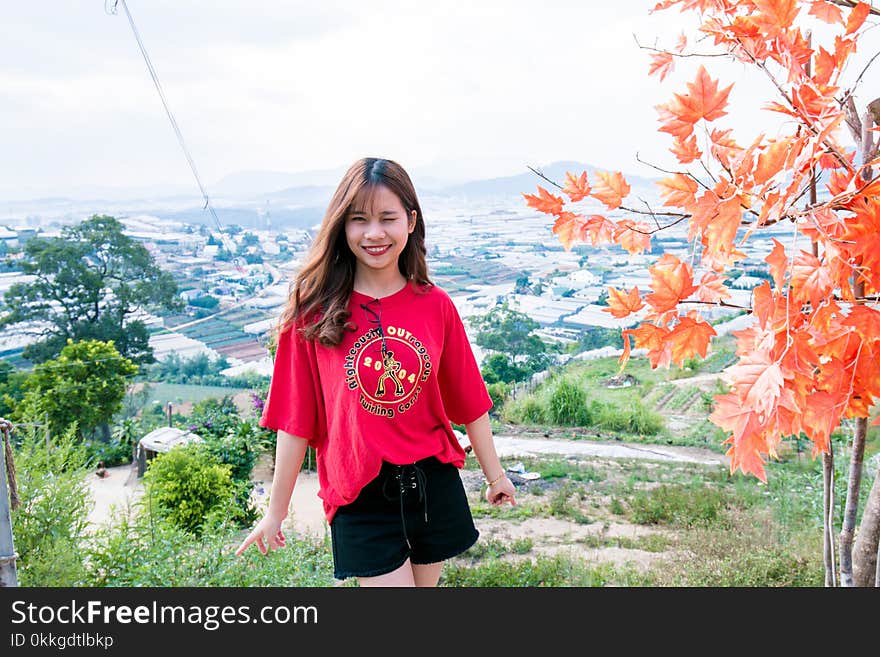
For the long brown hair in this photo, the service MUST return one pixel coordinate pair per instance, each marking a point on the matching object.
(323, 286)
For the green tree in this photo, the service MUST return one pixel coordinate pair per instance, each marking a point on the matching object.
(86, 384)
(11, 387)
(500, 368)
(523, 284)
(509, 332)
(87, 284)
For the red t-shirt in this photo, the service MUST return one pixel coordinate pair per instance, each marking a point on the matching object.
(358, 409)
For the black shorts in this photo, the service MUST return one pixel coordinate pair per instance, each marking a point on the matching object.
(418, 511)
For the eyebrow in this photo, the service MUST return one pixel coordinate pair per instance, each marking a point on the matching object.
(364, 212)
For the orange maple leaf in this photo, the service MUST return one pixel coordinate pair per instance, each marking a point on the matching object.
(570, 228)
(610, 188)
(810, 279)
(686, 150)
(777, 14)
(771, 160)
(678, 190)
(653, 338)
(824, 66)
(689, 338)
(622, 304)
(821, 418)
(778, 263)
(833, 375)
(720, 230)
(670, 122)
(681, 43)
(856, 17)
(662, 63)
(712, 289)
(634, 236)
(703, 100)
(599, 229)
(545, 202)
(758, 382)
(866, 322)
(671, 281)
(747, 442)
(576, 188)
(826, 11)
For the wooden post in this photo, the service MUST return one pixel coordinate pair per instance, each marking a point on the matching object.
(8, 575)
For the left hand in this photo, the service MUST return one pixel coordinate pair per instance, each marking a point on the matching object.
(500, 492)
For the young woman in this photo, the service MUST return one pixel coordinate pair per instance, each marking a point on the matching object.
(372, 365)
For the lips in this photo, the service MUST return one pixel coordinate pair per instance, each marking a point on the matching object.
(377, 250)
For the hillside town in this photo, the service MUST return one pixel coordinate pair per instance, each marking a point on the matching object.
(483, 252)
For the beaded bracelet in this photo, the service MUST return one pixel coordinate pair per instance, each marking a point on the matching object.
(495, 480)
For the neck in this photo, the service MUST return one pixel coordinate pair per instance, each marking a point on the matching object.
(378, 284)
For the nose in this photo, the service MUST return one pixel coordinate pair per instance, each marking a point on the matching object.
(374, 230)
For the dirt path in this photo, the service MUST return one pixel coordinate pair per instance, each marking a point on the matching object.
(508, 446)
(121, 485)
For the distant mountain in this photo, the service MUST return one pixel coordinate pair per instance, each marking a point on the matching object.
(255, 199)
(256, 184)
(527, 182)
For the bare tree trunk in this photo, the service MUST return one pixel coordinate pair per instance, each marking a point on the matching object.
(865, 570)
(852, 499)
(828, 516)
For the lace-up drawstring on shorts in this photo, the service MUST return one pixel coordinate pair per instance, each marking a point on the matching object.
(417, 511)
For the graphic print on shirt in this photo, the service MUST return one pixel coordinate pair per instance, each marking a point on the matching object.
(388, 383)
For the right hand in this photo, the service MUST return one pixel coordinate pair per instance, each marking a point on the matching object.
(267, 535)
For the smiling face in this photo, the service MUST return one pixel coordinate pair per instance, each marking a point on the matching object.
(377, 228)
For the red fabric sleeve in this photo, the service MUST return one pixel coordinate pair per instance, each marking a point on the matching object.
(462, 388)
(292, 403)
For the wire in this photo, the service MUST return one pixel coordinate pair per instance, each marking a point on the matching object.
(227, 242)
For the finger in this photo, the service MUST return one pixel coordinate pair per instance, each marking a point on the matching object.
(261, 545)
(244, 545)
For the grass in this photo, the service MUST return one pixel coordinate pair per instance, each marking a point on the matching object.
(179, 393)
(713, 529)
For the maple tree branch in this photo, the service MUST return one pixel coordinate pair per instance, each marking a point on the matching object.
(680, 54)
(717, 303)
(851, 5)
(684, 173)
(855, 84)
(806, 122)
(541, 175)
(679, 216)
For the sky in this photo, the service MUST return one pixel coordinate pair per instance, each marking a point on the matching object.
(452, 89)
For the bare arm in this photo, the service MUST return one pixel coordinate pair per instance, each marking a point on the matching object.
(290, 451)
(480, 435)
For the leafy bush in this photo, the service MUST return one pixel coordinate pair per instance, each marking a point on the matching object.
(50, 524)
(498, 393)
(634, 418)
(567, 405)
(525, 411)
(187, 484)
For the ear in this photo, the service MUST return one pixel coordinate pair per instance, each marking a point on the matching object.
(413, 216)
